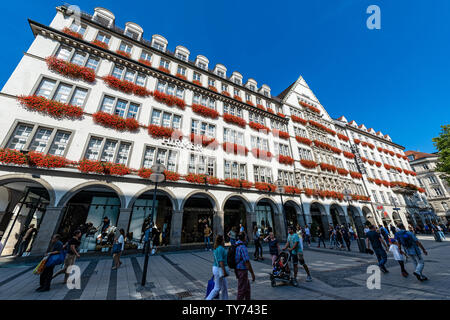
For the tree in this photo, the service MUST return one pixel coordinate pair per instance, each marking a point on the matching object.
(442, 143)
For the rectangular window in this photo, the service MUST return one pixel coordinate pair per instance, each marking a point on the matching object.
(64, 53)
(103, 37)
(164, 63)
(262, 174)
(166, 119)
(65, 93)
(122, 108)
(203, 128)
(181, 56)
(158, 46)
(60, 143)
(235, 170)
(79, 28)
(125, 47)
(108, 150)
(167, 157)
(197, 76)
(146, 56)
(20, 137)
(181, 70)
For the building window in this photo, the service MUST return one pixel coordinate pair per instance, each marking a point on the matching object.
(432, 179)
(211, 82)
(146, 56)
(221, 73)
(237, 81)
(262, 174)
(237, 92)
(278, 125)
(154, 155)
(438, 192)
(164, 63)
(202, 65)
(200, 164)
(197, 77)
(125, 47)
(181, 70)
(103, 37)
(77, 57)
(235, 170)
(287, 177)
(79, 28)
(233, 110)
(130, 75)
(165, 119)
(233, 136)
(170, 89)
(181, 56)
(61, 92)
(259, 143)
(108, 150)
(282, 149)
(305, 154)
(119, 107)
(157, 45)
(203, 128)
(132, 34)
(300, 132)
(204, 101)
(224, 87)
(256, 117)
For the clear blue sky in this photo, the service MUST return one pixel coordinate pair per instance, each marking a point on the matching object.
(396, 79)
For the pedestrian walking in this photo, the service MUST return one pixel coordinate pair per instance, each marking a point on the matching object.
(258, 248)
(274, 247)
(232, 234)
(29, 233)
(295, 248)
(352, 233)
(54, 257)
(118, 247)
(321, 237)
(399, 256)
(385, 233)
(339, 240)
(346, 237)
(307, 235)
(243, 267)
(332, 233)
(393, 229)
(155, 239)
(72, 254)
(207, 235)
(408, 241)
(378, 246)
(220, 270)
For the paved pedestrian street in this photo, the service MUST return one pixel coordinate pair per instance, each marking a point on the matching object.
(184, 275)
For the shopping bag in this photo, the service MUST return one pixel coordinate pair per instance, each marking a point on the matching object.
(40, 267)
(210, 288)
(56, 259)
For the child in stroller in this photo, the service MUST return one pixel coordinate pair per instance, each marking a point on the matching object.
(281, 270)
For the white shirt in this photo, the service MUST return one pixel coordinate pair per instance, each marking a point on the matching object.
(366, 230)
(121, 241)
(396, 252)
(307, 232)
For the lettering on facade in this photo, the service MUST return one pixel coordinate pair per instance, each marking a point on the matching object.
(180, 144)
(358, 159)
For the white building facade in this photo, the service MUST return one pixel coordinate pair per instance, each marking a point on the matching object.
(91, 107)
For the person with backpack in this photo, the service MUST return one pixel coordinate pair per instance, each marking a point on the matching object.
(377, 242)
(220, 270)
(54, 257)
(320, 237)
(72, 254)
(238, 259)
(385, 233)
(346, 237)
(411, 244)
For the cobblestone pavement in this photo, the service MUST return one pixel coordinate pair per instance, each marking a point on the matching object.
(183, 275)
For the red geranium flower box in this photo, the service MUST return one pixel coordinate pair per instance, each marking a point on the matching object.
(50, 107)
(212, 88)
(163, 132)
(197, 82)
(146, 62)
(355, 175)
(310, 107)
(178, 75)
(262, 154)
(204, 140)
(161, 68)
(234, 119)
(236, 97)
(261, 107)
(47, 161)
(303, 140)
(100, 44)
(236, 183)
(234, 148)
(169, 99)
(270, 110)
(349, 155)
(299, 120)
(89, 166)
(264, 186)
(145, 173)
(280, 134)
(196, 178)
(342, 171)
(285, 159)
(281, 115)
(387, 166)
(71, 70)
(171, 176)
(205, 111)
(116, 122)
(250, 103)
(12, 156)
(308, 164)
(357, 141)
(124, 54)
(225, 93)
(343, 137)
(378, 164)
(72, 33)
(259, 127)
(292, 190)
(126, 86)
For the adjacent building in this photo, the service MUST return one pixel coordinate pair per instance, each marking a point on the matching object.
(92, 107)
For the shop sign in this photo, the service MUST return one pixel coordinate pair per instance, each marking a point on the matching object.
(180, 144)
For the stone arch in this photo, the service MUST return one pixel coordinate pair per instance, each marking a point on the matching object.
(299, 218)
(210, 196)
(369, 215)
(272, 202)
(160, 191)
(340, 218)
(72, 192)
(28, 178)
(357, 220)
(243, 198)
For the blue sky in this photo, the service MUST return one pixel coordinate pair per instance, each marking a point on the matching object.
(395, 79)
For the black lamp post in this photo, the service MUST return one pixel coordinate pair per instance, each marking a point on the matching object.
(157, 176)
(280, 189)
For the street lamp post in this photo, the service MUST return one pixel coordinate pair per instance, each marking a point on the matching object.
(157, 176)
(360, 241)
(280, 189)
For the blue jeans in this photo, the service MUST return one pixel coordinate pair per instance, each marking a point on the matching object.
(207, 243)
(381, 257)
(418, 262)
(441, 234)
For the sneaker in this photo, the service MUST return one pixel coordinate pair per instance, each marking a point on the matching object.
(417, 276)
(308, 279)
(423, 278)
(294, 282)
(404, 274)
(383, 269)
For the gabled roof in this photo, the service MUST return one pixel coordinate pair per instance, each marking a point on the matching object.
(420, 155)
(285, 91)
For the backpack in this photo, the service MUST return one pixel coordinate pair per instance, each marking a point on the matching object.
(231, 256)
(405, 239)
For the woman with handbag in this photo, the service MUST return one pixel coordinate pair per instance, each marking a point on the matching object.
(118, 248)
(55, 256)
(220, 270)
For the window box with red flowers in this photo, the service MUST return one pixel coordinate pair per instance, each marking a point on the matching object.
(249, 103)
(392, 153)
(364, 159)
(226, 93)
(371, 146)
(262, 154)
(421, 190)
(378, 164)
(72, 33)
(165, 70)
(100, 44)
(311, 192)
(116, 122)
(171, 176)
(281, 115)
(328, 167)
(387, 166)
(206, 142)
(236, 183)
(205, 111)
(398, 155)
(292, 190)
(270, 110)
(258, 127)
(212, 88)
(47, 161)
(8, 156)
(70, 70)
(124, 54)
(234, 119)
(169, 100)
(196, 178)
(309, 164)
(342, 172)
(321, 127)
(299, 120)
(310, 107)
(260, 107)
(197, 82)
(285, 160)
(380, 149)
(400, 170)
(146, 62)
(53, 108)
(89, 166)
(280, 134)
(371, 162)
(179, 75)
(343, 137)
(163, 132)
(145, 173)
(349, 155)
(355, 175)
(234, 148)
(264, 186)
(236, 97)
(303, 140)
(357, 141)
(126, 86)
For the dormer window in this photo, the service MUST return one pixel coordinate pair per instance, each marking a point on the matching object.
(237, 81)
(181, 56)
(79, 28)
(132, 34)
(103, 17)
(266, 93)
(201, 65)
(220, 73)
(252, 87)
(157, 45)
(411, 157)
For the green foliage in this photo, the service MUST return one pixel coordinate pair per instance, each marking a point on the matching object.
(442, 143)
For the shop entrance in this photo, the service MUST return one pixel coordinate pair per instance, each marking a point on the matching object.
(396, 217)
(24, 211)
(370, 219)
(265, 218)
(356, 221)
(337, 215)
(198, 212)
(235, 215)
(319, 219)
(95, 213)
(291, 214)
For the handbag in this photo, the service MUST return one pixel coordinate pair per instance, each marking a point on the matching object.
(40, 267)
(117, 247)
(210, 288)
(56, 259)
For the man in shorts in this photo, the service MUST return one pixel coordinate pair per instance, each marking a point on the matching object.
(295, 248)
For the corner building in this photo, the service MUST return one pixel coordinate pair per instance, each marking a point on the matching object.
(91, 107)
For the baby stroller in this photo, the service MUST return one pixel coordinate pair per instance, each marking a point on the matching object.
(281, 270)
